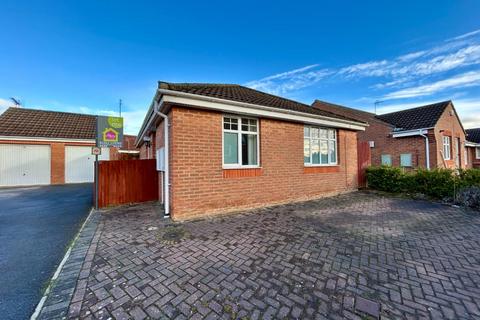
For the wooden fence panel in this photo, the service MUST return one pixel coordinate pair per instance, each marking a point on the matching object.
(127, 181)
(364, 161)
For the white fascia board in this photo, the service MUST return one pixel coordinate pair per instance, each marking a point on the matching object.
(228, 106)
(129, 151)
(42, 139)
(471, 144)
(409, 133)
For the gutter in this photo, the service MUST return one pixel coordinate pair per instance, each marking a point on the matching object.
(418, 132)
(260, 107)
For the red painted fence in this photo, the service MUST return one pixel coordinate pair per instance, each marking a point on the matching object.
(127, 181)
(364, 161)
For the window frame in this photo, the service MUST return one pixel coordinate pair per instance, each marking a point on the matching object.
(446, 139)
(239, 132)
(411, 160)
(328, 139)
(386, 155)
(477, 153)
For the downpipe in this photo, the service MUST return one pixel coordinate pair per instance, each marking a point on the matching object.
(166, 175)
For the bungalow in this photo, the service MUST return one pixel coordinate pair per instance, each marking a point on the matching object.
(473, 147)
(430, 136)
(225, 147)
(39, 147)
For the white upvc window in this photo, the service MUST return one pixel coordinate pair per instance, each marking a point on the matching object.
(240, 142)
(466, 155)
(477, 151)
(446, 148)
(319, 146)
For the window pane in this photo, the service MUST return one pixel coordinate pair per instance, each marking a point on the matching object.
(406, 160)
(230, 148)
(386, 160)
(315, 132)
(306, 150)
(331, 134)
(306, 132)
(324, 151)
(323, 133)
(478, 153)
(332, 152)
(249, 149)
(315, 152)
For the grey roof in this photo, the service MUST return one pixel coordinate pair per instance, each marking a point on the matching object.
(416, 118)
(473, 135)
(235, 92)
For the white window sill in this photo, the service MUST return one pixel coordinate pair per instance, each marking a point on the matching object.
(241, 167)
(321, 165)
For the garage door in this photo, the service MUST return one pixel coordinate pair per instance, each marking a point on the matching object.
(23, 165)
(79, 163)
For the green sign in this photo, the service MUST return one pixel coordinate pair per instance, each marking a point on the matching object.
(109, 131)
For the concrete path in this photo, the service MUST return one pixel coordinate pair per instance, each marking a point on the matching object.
(36, 226)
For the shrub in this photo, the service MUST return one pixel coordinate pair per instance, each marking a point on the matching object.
(469, 197)
(385, 178)
(469, 177)
(438, 183)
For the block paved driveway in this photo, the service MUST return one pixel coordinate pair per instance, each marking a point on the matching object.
(307, 260)
(36, 225)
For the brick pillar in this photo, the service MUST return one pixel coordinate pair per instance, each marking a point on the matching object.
(57, 160)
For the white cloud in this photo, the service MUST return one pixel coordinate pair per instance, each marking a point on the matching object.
(5, 104)
(454, 55)
(467, 79)
(467, 35)
(290, 81)
(132, 119)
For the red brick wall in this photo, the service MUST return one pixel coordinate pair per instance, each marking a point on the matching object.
(57, 166)
(473, 162)
(449, 125)
(200, 186)
(57, 156)
(380, 132)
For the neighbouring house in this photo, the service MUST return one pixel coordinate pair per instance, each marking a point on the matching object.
(39, 147)
(430, 136)
(227, 147)
(128, 151)
(473, 147)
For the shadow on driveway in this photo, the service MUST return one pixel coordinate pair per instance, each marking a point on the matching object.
(36, 226)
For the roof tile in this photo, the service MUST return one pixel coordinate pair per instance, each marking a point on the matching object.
(47, 124)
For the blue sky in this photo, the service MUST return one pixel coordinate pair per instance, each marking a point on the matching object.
(83, 56)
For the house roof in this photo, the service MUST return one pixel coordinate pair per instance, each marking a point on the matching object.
(21, 122)
(352, 113)
(235, 92)
(416, 118)
(473, 135)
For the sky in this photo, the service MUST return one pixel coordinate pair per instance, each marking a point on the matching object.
(84, 56)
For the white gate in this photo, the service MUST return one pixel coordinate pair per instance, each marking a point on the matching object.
(22, 164)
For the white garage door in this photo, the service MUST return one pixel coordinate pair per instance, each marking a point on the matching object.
(79, 163)
(23, 165)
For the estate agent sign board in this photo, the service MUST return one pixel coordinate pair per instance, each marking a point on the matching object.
(109, 131)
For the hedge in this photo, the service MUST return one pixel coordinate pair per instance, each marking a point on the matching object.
(438, 183)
